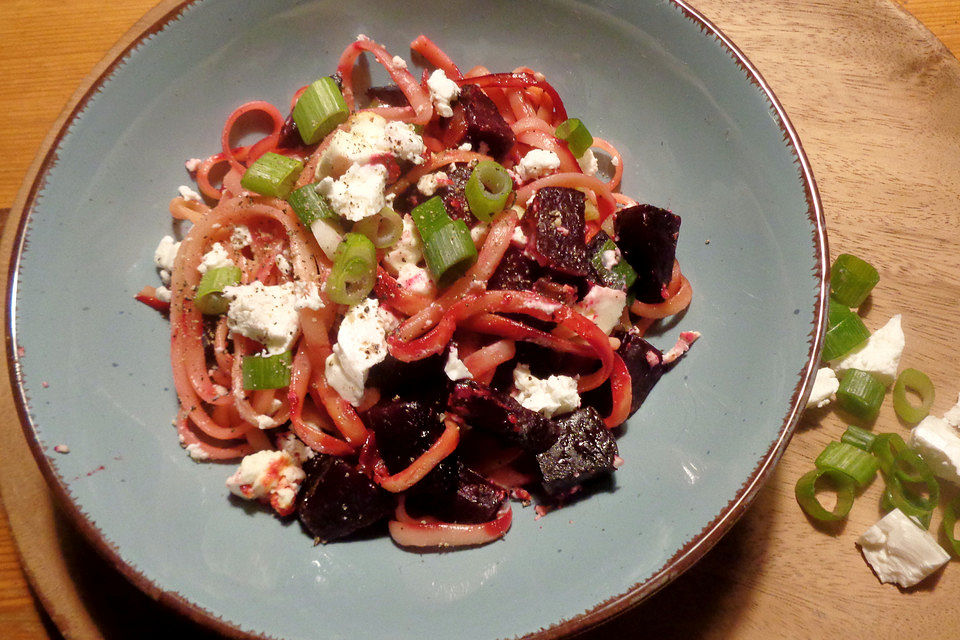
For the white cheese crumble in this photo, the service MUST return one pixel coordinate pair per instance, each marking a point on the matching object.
(610, 258)
(196, 452)
(443, 91)
(189, 194)
(241, 237)
(163, 294)
(478, 233)
(399, 62)
(551, 396)
(899, 551)
(604, 306)
(454, 368)
(825, 385)
(536, 163)
(358, 193)
(939, 445)
(290, 443)
(416, 279)
(269, 314)
(466, 146)
(283, 263)
(880, 355)
(193, 164)
(428, 183)
(409, 248)
(588, 162)
(361, 344)
(518, 237)
(216, 258)
(164, 256)
(370, 135)
(952, 416)
(273, 476)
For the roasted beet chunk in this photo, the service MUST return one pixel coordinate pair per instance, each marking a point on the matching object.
(647, 236)
(554, 226)
(451, 193)
(483, 408)
(475, 500)
(337, 500)
(483, 121)
(406, 379)
(516, 271)
(584, 450)
(645, 364)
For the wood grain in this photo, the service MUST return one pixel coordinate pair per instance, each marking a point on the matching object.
(875, 99)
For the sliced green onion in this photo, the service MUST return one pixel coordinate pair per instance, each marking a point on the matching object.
(902, 467)
(922, 517)
(319, 110)
(487, 189)
(266, 372)
(848, 459)
(272, 175)
(209, 299)
(860, 394)
(806, 492)
(328, 234)
(852, 279)
(450, 252)
(430, 216)
(836, 312)
(310, 205)
(383, 228)
(577, 136)
(844, 336)
(919, 383)
(619, 275)
(860, 438)
(950, 523)
(354, 270)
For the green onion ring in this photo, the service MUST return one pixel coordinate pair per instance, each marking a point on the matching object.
(354, 270)
(488, 189)
(806, 492)
(918, 382)
(209, 299)
(949, 524)
(383, 228)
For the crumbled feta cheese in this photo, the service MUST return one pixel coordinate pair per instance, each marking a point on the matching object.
(466, 146)
(273, 476)
(361, 344)
(193, 164)
(62, 448)
(455, 369)
(358, 193)
(479, 232)
(399, 62)
(588, 162)
(825, 385)
(899, 551)
(370, 135)
(604, 306)
(443, 91)
(536, 163)
(416, 279)
(269, 314)
(952, 416)
(289, 442)
(164, 256)
(409, 248)
(615, 161)
(939, 444)
(197, 452)
(163, 294)
(283, 263)
(880, 355)
(189, 194)
(216, 258)
(518, 237)
(551, 396)
(428, 183)
(241, 237)
(610, 258)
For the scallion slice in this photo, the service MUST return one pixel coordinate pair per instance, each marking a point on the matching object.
(577, 136)
(806, 492)
(919, 383)
(328, 234)
(310, 205)
(860, 394)
(272, 175)
(450, 251)
(902, 468)
(848, 459)
(319, 110)
(354, 270)
(383, 228)
(852, 279)
(266, 372)
(950, 515)
(430, 216)
(209, 299)
(920, 515)
(843, 336)
(488, 189)
(860, 438)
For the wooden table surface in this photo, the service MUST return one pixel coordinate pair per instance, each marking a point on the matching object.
(745, 587)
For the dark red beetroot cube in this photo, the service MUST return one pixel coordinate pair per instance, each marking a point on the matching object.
(408, 379)
(647, 237)
(584, 450)
(483, 121)
(483, 408)
(555, 226)
(336, 500)
(645, 364)
(515, 272)
(475, 500)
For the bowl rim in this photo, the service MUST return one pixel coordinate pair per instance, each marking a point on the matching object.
(155, 21)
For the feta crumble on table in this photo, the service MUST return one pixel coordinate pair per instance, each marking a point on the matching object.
(880, 355)
(269, 314)
(604, 306)
(537, 163)
(272, 476)
(900, 551)
(454, 368)
(443, 91)
(550, 396)
(216, 258)
(952, 416)
(164, 257)
(939, 444)
(189, 194)
(358, 193)
(361, 344)
(825, 385)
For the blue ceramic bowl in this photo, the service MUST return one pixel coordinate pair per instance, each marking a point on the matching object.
(701, 134)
